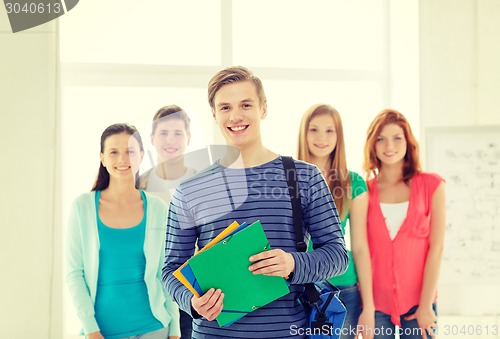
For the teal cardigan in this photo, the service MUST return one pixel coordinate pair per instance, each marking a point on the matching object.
(82, 259)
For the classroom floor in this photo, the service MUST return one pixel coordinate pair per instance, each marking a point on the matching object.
(486, 327)
(450, 327)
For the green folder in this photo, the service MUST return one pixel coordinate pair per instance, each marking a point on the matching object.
(225, 266)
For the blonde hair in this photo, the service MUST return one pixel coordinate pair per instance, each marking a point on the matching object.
(231, 75)
(338, 177)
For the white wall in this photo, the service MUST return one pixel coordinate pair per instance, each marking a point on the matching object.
(460, 86)
(29, 288)
(459, 68)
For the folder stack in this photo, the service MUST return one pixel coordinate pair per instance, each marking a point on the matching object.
(223, 264)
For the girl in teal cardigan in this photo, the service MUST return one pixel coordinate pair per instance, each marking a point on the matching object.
(115, 249)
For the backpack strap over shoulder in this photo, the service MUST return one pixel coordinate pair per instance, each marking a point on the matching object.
(294, 190)
(312, 294)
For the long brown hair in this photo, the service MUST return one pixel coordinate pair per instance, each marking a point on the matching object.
(102, 180)
(371, 164)
(338, 179)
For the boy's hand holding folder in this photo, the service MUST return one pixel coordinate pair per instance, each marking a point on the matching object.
(274, 262)
(210, 304)
(220, 272)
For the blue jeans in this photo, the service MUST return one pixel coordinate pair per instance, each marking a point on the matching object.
(385, 329)
(186, 325)
(352, 301)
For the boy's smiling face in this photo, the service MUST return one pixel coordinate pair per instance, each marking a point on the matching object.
(238, 112)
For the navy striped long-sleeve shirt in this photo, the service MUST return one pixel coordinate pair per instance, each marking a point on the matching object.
(204, 205)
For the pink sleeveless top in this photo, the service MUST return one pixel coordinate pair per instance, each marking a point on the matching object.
(398, 265)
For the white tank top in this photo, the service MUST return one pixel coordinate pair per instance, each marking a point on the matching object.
(394, 215)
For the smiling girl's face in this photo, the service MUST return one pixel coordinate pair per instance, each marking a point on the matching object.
(321, 137)
(122, 156)
(390, 146)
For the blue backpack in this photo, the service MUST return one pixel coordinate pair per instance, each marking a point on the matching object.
(324, 310)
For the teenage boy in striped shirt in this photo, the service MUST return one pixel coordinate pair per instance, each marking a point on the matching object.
(252, 188)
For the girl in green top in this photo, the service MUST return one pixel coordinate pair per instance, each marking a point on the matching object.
(321, 142)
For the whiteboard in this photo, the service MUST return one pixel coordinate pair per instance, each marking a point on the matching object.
(468, 158)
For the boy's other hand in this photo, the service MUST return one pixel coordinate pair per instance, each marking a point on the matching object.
(274, 262)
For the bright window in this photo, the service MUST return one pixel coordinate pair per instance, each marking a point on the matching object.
(315, 34)
(132, 32)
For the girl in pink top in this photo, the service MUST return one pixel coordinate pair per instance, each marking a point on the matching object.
(406, 227)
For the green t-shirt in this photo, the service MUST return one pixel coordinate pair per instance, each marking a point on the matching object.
(349, 277)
